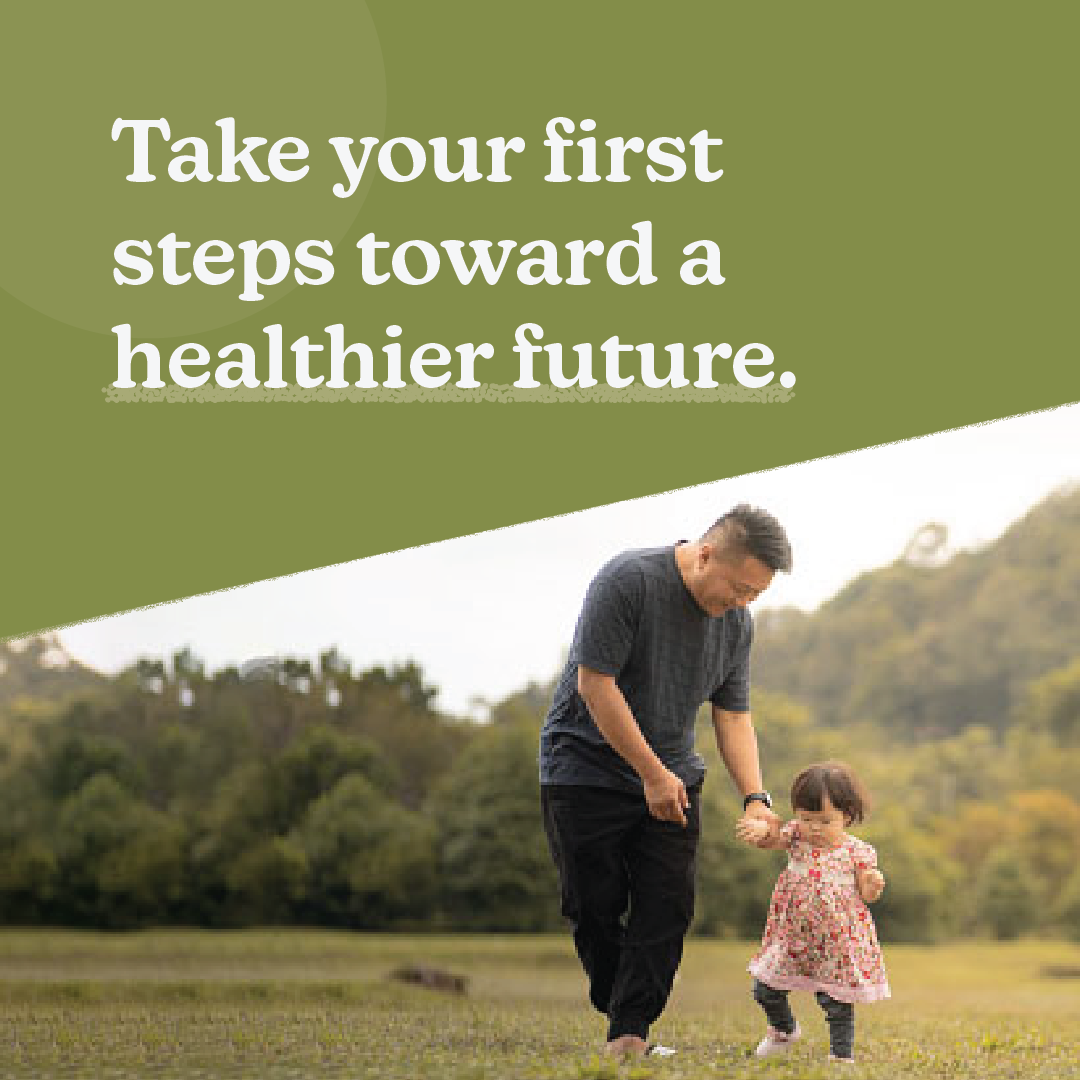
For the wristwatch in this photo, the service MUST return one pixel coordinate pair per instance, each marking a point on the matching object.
(757, 796)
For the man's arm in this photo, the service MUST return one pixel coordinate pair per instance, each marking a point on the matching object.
(737, 742)
(665, 793)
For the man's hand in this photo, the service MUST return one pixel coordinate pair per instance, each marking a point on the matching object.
(665, 793)
(758, 826)
(737, 742)
(758, 811)
(666, 797)
(870, 883)
(751, 830)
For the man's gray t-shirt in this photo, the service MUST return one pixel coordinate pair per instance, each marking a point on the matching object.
(640, 624)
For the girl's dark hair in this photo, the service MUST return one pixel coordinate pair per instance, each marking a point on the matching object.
(835, 780)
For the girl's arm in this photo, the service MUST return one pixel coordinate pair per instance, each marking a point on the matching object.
(869, 880)
(760, 833)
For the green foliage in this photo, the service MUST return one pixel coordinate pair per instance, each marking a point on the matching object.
(495, 871)
(290, 793)
(28, 875)
(787, 736)
(527, 706)
(975, 833)
(120, 860)
(302, 791)
(1052, 706)
(919, 902)
(267, 882)
(936, 777)
(317, 759)
(371, 861)
(1007, 903)
(926, 649)
(395, 709)
(734, 881)
(75, 757)
(1066, 914)
(1046, 833)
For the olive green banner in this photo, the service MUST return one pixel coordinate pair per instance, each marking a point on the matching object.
(284, 285)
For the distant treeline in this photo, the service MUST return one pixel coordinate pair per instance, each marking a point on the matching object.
(306, 793)
(931, 645)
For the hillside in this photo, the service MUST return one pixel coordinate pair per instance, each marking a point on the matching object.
(927, 648)
(40, 669)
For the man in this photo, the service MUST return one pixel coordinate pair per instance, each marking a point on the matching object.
(662, 630)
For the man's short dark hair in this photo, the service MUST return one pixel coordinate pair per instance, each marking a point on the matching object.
(748, 530)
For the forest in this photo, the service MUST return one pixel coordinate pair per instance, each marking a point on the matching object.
(298, 791)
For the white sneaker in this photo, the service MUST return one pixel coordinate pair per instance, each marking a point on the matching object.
(842, 1061)
(777, 1042)
(659, 1050)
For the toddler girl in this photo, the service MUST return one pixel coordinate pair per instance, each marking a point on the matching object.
(819, 935)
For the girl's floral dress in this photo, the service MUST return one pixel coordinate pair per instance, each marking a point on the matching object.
(819, 934)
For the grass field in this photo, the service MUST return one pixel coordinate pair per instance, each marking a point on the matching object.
(307, 1004)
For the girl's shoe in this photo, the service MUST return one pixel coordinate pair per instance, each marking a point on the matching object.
(842, 1061)
(777, 1042)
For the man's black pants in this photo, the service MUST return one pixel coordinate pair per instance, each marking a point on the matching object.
(627, 884)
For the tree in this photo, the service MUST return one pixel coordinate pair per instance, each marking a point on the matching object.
(1006, 902)
(121, 862)
(734, 881)
(939, 776)
(975, 833)
(930, 648)
(314, 762)
(267, 882)
(71, 757)
(395, 710)
(1052, 705)
(1067, 911)
(919, 902)
(239, 818)
(495, 872)
(1046, 834)
(371, 862)
(28, 880)
(527, 706)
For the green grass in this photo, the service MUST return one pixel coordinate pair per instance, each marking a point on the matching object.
(306, 1004)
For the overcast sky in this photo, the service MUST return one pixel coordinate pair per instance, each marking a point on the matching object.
(484, 614)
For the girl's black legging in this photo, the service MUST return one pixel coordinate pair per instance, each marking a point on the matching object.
(840, 1015)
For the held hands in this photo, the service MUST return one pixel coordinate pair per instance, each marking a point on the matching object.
(870, 883)
(752, 830)
(666, 797)
(758, 826)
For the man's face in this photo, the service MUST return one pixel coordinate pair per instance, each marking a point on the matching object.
(721, 583)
